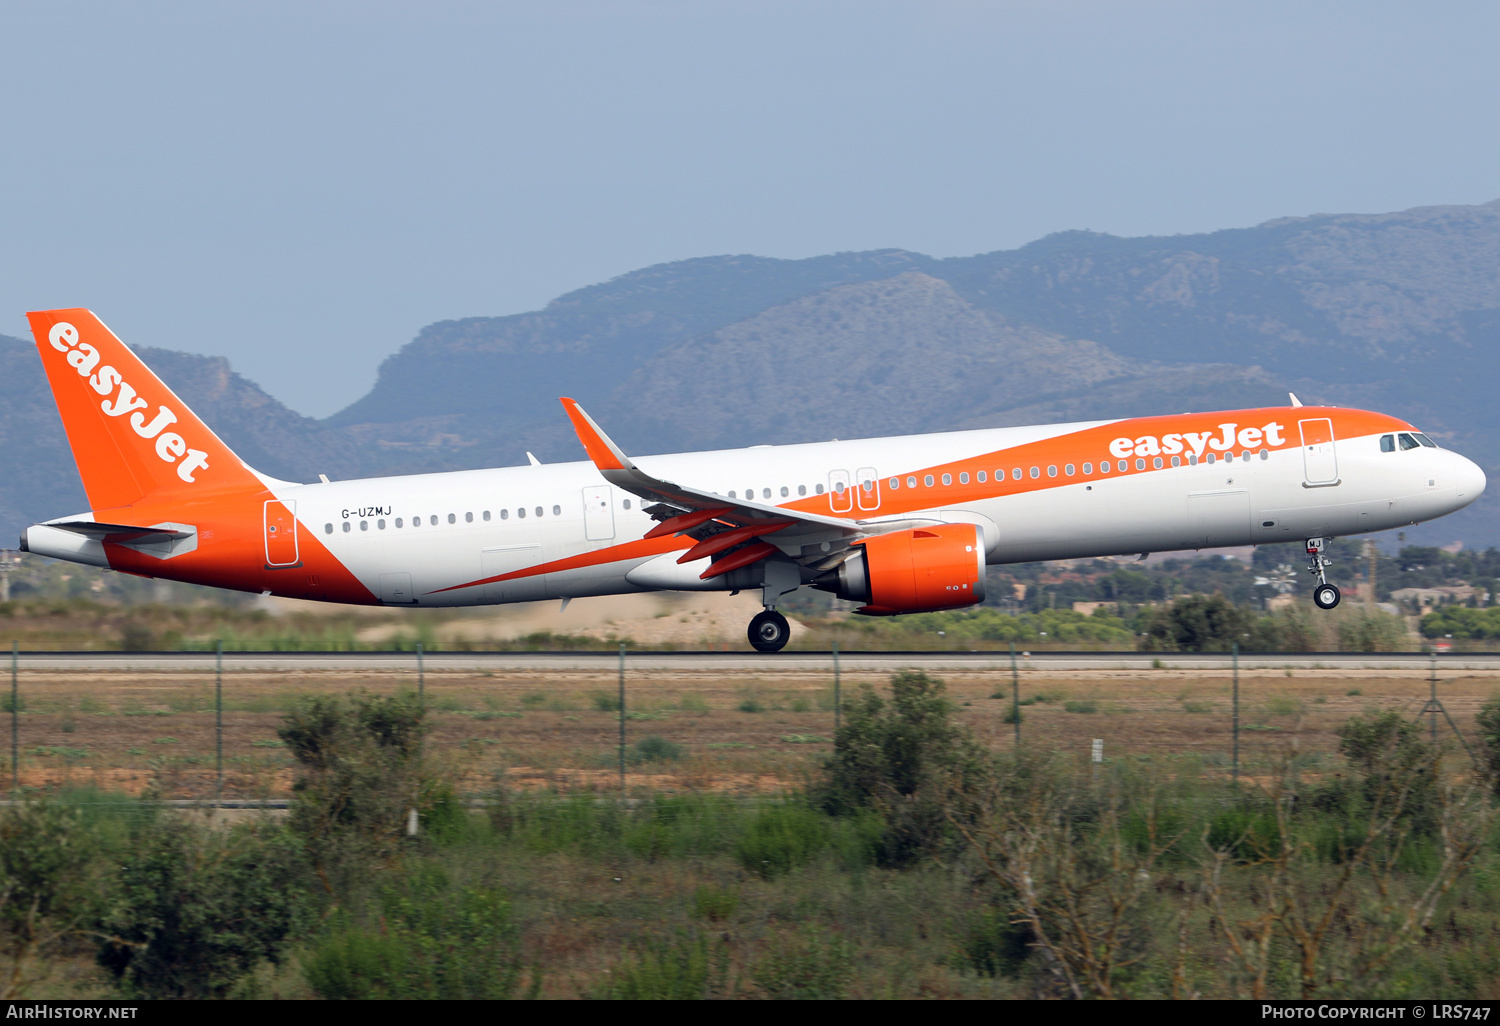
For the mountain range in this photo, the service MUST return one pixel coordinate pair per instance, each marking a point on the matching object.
(1398, 312)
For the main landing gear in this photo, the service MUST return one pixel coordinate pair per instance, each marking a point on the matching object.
(769, 631)
(1325, 595)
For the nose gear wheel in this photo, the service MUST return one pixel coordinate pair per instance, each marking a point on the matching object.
(1325, 595)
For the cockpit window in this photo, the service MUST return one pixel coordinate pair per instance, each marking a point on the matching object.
(1425, 440)
(1387, 443)
(1408, 442)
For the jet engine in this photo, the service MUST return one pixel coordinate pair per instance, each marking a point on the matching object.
(913, 571)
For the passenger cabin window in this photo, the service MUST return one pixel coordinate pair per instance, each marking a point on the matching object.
(468, 518)
(802, 489)
(981, 477)
(1088, 468)
(1387, 443)
(505, 514)
(452, 518)
(539, 511)
(911, 482)
(557, 511)
(627, 503)
(947, 479)
(818, 489)
(1016, 473)
(895, 483)
(346, 527)
(398, 521)
(327, 528)
(521, 513)
(432, 520)
(486, 516)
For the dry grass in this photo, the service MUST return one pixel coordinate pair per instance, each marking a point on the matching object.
(128, 731)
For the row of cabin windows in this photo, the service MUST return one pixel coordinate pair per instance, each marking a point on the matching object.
(1068, 470)
(364, 525)
(1071, 470)
(786, 492)
(1407, 440)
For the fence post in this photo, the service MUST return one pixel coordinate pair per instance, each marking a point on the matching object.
(622, 717)
(837, 704)
(219, 721)
(1015, 691)
(15, 723)
(1235, 705)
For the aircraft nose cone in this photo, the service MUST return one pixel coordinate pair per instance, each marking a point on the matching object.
(1471, 480)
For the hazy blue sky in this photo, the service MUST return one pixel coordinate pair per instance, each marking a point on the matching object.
(303, 186)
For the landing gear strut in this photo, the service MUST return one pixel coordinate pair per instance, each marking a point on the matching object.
(769, 631)
(1325, 595)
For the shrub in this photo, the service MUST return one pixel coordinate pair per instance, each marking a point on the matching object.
(196, 910)
(1083, 706)
(48, 887)
(362, 770)
(687, 968)
(906, 760)
(656, 749)
(781, 837)
(1196, 623)
(605, 702)
(434, 942)
(993, 945)
(1488, 721)
(715, 905)
(810, 965)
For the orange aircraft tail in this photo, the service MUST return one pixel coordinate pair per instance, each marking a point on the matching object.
(130, 435)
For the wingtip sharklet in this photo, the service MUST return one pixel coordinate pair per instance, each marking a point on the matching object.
(605, 454)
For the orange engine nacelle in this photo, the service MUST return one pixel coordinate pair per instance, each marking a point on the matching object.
(914, 571)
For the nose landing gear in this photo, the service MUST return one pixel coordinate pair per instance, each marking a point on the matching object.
(769, 631)
(1325, 595)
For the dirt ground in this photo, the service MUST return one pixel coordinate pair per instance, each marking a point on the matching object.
(737, 732)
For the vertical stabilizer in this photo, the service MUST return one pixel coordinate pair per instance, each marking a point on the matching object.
(131, 436)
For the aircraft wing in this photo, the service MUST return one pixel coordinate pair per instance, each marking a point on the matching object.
(682, 509)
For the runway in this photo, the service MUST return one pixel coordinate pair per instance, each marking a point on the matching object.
(731, 662)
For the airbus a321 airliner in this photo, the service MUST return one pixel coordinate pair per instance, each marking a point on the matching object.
(899, 525)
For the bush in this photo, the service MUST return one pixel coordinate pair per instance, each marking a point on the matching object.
(715, 905)
(362, 770)
(781, 837)
(656, 749)
(906, 760)
(1196, 623)
(49, 885)
(688, 968)
(1488, 720)
(993, 945)
(810, 965)
(435, 942)
(196, 910)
